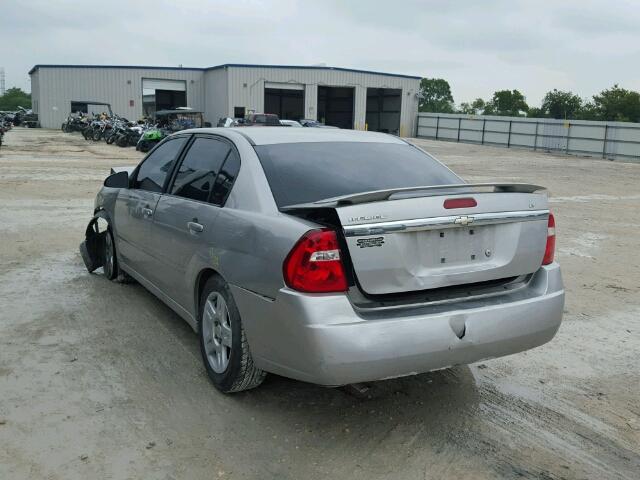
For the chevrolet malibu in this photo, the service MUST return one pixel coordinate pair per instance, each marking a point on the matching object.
(329, 256)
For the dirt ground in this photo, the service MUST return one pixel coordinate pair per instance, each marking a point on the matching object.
(100, 380)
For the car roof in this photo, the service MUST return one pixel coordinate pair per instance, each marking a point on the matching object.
(273, 135)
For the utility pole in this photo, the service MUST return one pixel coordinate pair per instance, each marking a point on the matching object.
(2, 85)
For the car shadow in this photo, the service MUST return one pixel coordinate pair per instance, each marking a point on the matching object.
(439, 397)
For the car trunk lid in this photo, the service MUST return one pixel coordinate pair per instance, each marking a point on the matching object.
(409, 244)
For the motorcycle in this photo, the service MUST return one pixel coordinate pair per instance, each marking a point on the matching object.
(150, 138)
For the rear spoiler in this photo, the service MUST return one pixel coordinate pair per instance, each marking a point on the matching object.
(379, 195)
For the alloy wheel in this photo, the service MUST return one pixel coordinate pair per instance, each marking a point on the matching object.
(216, 332)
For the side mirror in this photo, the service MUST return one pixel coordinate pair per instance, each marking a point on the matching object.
(117, 180)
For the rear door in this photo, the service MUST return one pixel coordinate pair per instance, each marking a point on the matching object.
(135, 206)
(185, 218)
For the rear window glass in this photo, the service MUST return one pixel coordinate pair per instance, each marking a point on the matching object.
(307, 172)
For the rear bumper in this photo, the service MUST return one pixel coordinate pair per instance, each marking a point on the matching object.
(321, 339)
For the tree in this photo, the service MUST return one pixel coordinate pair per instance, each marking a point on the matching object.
(559, 104)
(589, 111)
(507, 102)
(474, 108)
(435, 96)
(618, 104)
(14, 98)
(535, 112)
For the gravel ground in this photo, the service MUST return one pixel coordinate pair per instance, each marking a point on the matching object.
(101, 380)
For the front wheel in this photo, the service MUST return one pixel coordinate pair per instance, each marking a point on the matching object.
(223, 343)
(110, 266)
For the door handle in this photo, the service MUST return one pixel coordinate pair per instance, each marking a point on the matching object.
(195, 227)
(147, 212)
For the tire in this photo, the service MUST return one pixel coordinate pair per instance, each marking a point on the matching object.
(96, 135)
(110, 139)
(222, 337)
(110, 260)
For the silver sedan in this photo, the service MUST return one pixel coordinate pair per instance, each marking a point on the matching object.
(329, 256)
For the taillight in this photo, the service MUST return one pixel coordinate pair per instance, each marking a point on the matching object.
(314, 265)
(550, 249)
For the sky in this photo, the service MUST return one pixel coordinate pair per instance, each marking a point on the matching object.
(477, 46)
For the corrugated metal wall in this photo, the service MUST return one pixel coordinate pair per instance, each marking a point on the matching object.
(35, 92)
(612, 140)
(56, 87)
(216, 96)
(246, 89)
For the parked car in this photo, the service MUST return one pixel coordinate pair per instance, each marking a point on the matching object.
(329, 256)
(26, 118)
(262, 120)
(230, 122)
(306, 122)
(290, 123)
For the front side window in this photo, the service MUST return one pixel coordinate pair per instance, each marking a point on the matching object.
(199, 169)
(155, 168)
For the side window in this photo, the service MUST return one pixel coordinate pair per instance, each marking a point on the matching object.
(155, 168)
(199, 168)
(225, 179)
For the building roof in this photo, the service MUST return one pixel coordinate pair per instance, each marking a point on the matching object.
(225, 65)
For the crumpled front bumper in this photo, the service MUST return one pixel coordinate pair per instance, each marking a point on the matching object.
(322, 339)
(92, 249)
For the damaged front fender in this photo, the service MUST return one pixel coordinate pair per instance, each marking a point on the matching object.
(92, 249)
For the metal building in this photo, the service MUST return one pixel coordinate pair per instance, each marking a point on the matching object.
(343, 97)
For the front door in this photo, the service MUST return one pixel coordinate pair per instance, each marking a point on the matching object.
(135, 206)
(184, 221)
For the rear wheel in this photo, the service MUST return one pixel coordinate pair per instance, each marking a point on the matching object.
(223, 343)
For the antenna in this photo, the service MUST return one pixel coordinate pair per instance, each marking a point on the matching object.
(2, 86)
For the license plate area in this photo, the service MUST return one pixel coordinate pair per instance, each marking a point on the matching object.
(460, 246)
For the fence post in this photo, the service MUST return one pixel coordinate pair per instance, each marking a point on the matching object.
(437, 126)
(535, 137)
(509, 136)
(568, 137)
(484, 122)
(459, 122)
(604, 142)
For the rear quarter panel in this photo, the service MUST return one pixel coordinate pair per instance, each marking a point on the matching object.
(250, 238)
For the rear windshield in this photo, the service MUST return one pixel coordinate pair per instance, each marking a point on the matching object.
(307, 172)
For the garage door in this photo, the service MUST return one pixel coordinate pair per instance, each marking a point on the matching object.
(160, 94)
(287, 102)
(383, 110)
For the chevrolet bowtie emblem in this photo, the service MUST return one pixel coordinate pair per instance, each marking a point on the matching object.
(464, 220)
